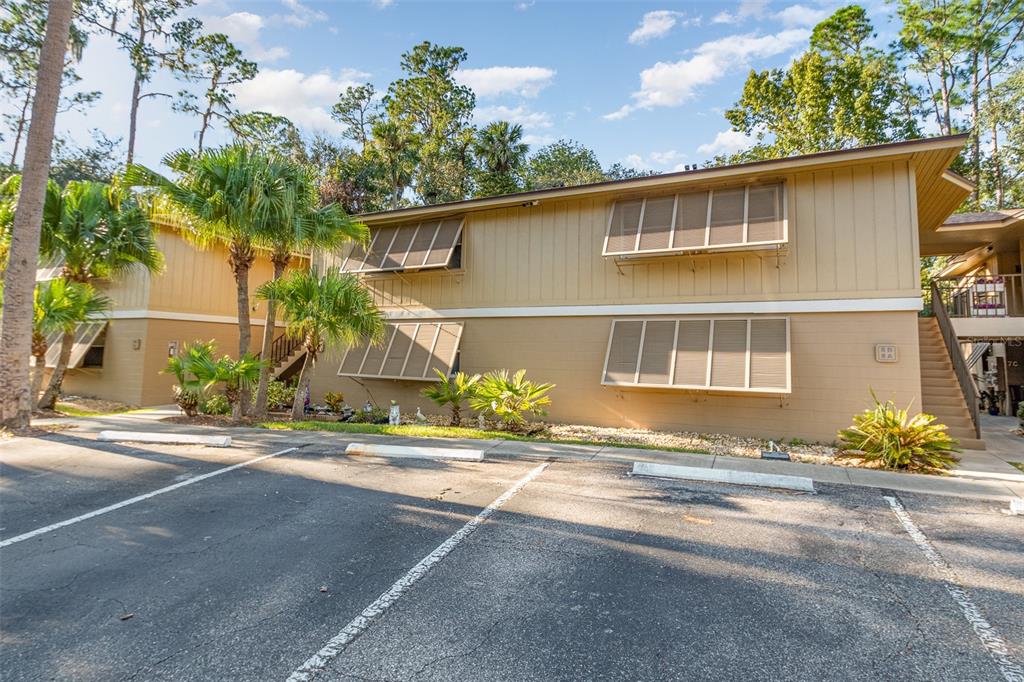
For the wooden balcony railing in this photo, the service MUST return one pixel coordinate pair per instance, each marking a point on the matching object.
(282, 348)
(956, 356)
(979, 296)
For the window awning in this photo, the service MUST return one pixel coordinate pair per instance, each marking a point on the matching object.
(86, 335)
(725, 218)
(727, 354)
(413, 246)
(49, 268)
(411, 350)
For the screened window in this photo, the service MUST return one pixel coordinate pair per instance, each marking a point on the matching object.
(731, 217)
(726, 354)
(410, 350)
(414, 246)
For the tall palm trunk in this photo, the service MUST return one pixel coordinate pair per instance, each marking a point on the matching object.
(299, 404)
(19, 278)
(260, 409)
(39, 348)
(241, 259)
(49, 399)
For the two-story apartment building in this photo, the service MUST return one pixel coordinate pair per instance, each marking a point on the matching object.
(764, 298)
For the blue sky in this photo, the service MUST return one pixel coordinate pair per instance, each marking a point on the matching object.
(640, 83)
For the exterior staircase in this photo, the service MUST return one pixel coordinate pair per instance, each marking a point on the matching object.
(285, 356)
(940, 390)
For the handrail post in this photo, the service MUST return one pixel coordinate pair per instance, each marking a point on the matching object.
(956, 356)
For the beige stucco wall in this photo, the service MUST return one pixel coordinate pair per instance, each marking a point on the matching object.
(852, 234)
(132, 375)
(122, 375)
(833, 368)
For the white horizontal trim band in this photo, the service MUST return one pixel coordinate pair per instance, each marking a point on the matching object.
(183, 317)
(842, 305)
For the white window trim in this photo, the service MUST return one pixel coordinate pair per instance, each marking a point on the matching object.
(672, 249)
(711, 342)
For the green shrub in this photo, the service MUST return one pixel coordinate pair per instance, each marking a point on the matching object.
(334, 400)
(215, 404)
(452, 391)
(280, 396)
(891, 437)
(377, 415)
(510, 397)
(1020, 413)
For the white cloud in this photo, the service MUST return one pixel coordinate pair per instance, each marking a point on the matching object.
(669, 159)
(726, 142)
(800, 15)
(244, 29)
(381, 4)
(525, 81)
(669, 84)
(523, 6)
(656, 24)
(531, 120)
(536, 141)
(306, 99)
(301, 15)
(747, 9)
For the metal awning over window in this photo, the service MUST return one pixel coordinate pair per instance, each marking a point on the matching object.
(725, 354)
(87, 335)
(411, 350)
(736, 217)
(414, 246)
(49, 268)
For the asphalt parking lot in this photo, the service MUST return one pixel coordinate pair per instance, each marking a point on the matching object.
(310, 564)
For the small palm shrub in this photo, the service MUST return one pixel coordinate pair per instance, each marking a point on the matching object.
(334, 400)
(237, 376)
(510, 397)
(893, 438)
(196, 373)
(215, 404)
(452, 391)
(1020, 414)
(280, 395)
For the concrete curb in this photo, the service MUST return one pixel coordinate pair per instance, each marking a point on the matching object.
(798, 483)
(413, 452)
(164, 438)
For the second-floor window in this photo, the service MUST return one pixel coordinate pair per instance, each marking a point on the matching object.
(724, 218)
(410, 246)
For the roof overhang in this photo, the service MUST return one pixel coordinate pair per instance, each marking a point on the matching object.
(1004, 234)
(939, 192)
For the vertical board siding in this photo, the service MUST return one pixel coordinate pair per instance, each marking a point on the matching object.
(851, 235)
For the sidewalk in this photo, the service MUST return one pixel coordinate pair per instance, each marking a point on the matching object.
(983, 475)
(1002, 447)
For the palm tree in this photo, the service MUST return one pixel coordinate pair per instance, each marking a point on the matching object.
(61, 306)
(234, 195)
(99, 231)
(397, 150)
(20, 273)
(305, 226)
(332, 309)
(500, 154)
(237, 376)
(452, 391)
(196, 372)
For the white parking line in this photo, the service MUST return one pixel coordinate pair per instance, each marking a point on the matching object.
(995, 645)
(350, 632)
(140, 498)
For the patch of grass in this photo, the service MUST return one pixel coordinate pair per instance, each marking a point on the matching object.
(424, 431)
(1019, 465)
(70, 410)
